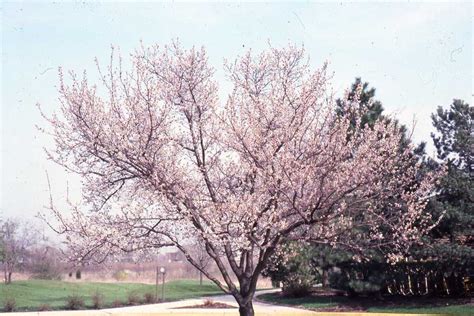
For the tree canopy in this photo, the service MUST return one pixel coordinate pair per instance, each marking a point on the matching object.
(163, 162)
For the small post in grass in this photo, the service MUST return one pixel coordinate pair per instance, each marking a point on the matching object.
(163, 271)
(156, 287)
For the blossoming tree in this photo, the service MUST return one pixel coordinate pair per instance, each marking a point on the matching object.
(164, 162)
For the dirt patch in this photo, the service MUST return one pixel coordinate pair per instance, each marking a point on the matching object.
(209, 303)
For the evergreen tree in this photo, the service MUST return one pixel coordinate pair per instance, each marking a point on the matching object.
(442, 264)
(451, 242)
(454, 139)
(326, 259)
(454, 142)
(367, 103)
(373, 108)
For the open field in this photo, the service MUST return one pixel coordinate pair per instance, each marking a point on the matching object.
(30, 294)
(408, 305)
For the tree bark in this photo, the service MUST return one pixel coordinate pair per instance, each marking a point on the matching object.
(325, 278)
(247, 290)
(246, 310)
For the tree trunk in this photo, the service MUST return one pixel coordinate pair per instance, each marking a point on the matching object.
(200, 278)
(246, 310)
(325, 278)
(9, 277)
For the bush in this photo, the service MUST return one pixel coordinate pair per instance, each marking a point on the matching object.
(300, 279)
(339, 280)
(74, 302)
(44, 307)
(149, 298)
(133, 299)
(364, 287)
(120, 275)
(358, 279)
(208, 303)
(296, 286)
(46, 272)
(9, 304)
(97, 300)
(117, 303)
(292, 265)
(45, 267)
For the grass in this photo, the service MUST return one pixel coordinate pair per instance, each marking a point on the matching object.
(451, 310)
(343, 303)
(30, 294)
(306, 302)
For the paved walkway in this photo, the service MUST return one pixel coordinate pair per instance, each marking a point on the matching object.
(179, 309)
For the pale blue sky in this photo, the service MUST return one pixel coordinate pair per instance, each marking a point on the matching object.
(417, 55)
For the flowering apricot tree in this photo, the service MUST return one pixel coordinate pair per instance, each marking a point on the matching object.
(164, 162)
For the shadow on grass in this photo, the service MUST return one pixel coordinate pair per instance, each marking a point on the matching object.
(334, 303)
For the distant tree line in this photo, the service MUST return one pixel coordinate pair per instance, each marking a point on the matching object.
(23, 248)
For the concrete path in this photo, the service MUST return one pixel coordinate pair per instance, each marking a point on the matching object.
(227, 299)
(178, 308)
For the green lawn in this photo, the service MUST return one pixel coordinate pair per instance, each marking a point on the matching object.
(32, 293)
(341, 303)
(450, 310)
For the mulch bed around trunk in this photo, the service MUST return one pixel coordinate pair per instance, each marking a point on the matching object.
(209, 305)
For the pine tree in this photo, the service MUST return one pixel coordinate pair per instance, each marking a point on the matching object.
(353, 277)
(451, 242)
(373, 107)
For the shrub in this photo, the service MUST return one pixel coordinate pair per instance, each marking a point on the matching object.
(74, 302)
(97, 300)
(46, 269)
(9, 304)
(117, 303)
(358, 279)
(300, 280)
(149, 298)
(133, 299)
(120, 275)
(292, 266)
(44, 307)
(364, 287)
(208, 303)
(339, 280)
(46, 273)
(296, 287)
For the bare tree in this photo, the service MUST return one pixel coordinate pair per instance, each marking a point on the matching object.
(16, 239)
(45, 261)
(197, 250)
(163, 162)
